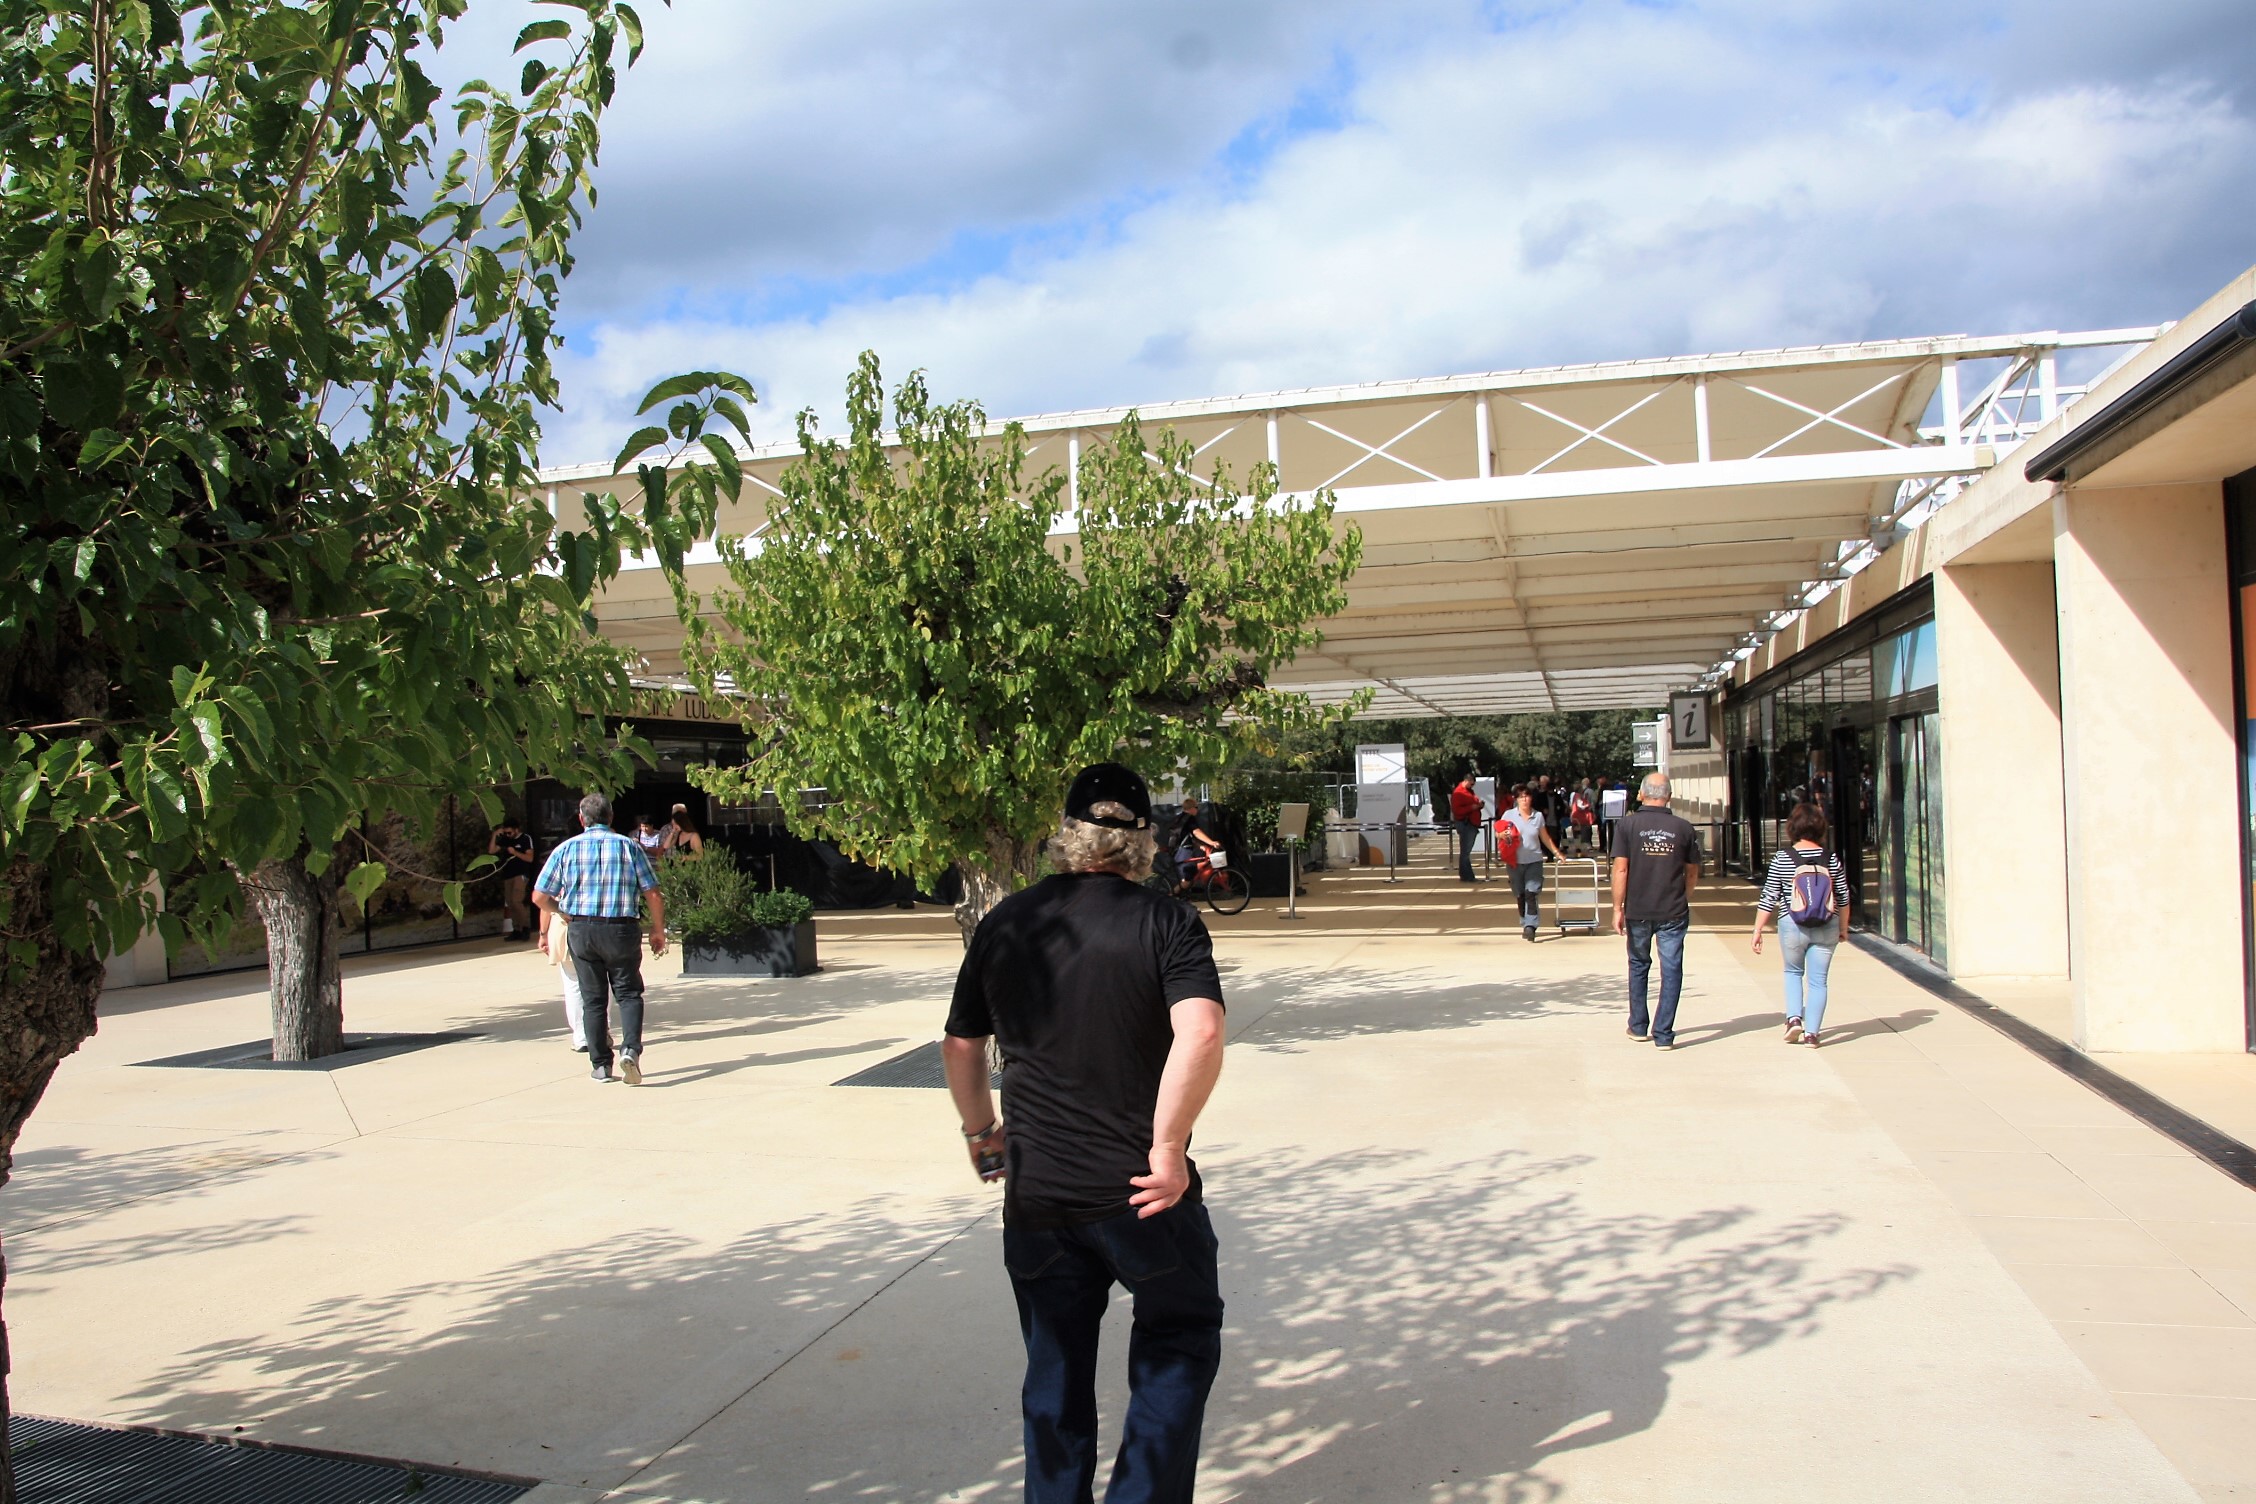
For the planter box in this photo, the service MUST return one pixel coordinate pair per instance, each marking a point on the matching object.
(754, 953)
(1267, 872)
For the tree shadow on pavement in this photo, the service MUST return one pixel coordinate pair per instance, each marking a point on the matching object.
(67, 1183)
(680, 1010)
(1444, 1330)
(1401, 1326)
(1281, 1009)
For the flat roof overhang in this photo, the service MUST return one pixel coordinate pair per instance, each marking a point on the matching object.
(1583, 537)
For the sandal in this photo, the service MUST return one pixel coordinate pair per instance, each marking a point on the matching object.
(1793, 1031)
(1810, 1040)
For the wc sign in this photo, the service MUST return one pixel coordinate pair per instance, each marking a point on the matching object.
(1688, 723)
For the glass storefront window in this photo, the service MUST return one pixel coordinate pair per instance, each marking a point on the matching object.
(1858, 736)
(2240, 539)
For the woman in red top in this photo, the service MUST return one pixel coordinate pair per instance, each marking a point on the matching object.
(1465, 813)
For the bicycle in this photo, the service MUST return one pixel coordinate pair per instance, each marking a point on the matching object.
(1224, 888)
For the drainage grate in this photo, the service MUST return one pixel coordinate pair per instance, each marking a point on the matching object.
(66, 1462)
(918, 1067)
(258, 1055)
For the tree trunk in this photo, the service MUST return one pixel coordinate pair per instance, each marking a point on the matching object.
(299, 911)
(1010, 866)
(46, 1012)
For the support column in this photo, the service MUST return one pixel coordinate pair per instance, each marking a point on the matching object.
(2005, 842)
(2154, 880)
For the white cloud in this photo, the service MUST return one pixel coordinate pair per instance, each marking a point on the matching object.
(1600, 182)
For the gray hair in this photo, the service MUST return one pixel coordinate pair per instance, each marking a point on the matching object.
(1655, 789)
(1081, 847)
(595, 809)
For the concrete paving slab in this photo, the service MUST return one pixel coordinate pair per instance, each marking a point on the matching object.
(1477, 1245)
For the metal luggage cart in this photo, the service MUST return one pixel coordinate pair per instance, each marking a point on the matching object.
(1578, 896)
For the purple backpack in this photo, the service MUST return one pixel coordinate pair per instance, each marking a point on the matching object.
(1813, 888)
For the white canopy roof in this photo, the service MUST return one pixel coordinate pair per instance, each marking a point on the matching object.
(1576, 537)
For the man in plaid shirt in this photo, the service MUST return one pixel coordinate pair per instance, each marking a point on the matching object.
(595, 880)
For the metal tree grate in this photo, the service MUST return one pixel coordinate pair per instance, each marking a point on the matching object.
(919, 1067)
(258, 1054)
(65, 1462)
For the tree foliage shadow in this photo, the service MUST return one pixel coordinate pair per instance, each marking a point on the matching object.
(1282, 1009)
(68, 1183)
(692, 1009)
(1446, 1335)
(1400, 1326)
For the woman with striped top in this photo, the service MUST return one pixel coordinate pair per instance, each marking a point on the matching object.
(1807, 942)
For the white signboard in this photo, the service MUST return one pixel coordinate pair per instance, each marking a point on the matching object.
(1645, 744)
(1375, 763)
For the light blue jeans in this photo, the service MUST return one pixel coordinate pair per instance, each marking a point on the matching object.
(1809, 957)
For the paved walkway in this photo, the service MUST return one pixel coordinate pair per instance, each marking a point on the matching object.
(1477, 1245)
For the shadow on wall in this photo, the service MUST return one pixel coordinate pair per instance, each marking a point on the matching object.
(1400, 1327)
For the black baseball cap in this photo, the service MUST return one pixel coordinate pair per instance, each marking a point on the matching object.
(1109, 781)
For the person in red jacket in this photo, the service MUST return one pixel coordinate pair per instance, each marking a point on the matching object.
(1465, 813)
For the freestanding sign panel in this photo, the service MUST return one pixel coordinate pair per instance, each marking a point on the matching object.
(1292, 822)
(1645, 744)
(1688, 723)
(1382, 799)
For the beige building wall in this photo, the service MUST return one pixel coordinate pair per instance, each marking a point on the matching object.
(2150, 765)
(2004, 825)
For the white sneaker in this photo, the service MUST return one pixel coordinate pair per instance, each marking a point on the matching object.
(631, 1070)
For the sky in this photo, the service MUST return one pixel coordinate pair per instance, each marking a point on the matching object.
(1060, 205)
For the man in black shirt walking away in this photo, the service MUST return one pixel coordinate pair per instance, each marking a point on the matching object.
(1105, 1001)
(1656, 867)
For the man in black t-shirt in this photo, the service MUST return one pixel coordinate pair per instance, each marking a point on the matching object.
(1104, 999)
(515, 850)
(1656, 867)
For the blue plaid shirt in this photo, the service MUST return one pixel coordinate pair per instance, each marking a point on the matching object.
(597, 874)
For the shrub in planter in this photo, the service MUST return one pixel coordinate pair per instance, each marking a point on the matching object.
(729, 926)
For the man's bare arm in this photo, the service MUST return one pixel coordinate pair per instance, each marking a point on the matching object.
(1194, 1064)
(657, 906)
(1621, 890)
(972, 1090)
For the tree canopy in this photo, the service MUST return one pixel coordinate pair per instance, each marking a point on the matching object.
(918, 639)
(276, 326)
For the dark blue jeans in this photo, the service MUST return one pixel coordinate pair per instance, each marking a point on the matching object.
(1063, 1278)
(1468, 834)
(607, 954)
(1641, 938)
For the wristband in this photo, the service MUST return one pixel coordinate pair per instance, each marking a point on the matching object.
(989, 1131)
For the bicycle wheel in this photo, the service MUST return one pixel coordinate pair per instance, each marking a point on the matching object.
(1228, 891)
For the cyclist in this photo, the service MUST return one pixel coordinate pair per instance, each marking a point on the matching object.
(1193, 841)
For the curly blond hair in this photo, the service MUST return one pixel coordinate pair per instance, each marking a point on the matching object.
(1081, 847)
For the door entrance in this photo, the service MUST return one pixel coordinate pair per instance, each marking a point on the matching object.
(1911, 836)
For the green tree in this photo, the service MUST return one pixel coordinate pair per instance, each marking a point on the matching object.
(1571, 744)
(914, 642)
(271, 360)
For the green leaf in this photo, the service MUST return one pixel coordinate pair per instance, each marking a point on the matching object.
(18, 784)
(637, 445)
(363, 881)
(451, 895)
(542, 31)
(687, 384)
(725, 461)
(213, 736)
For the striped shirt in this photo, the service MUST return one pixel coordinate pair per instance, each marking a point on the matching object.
(597, 874)
(1778, 883)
